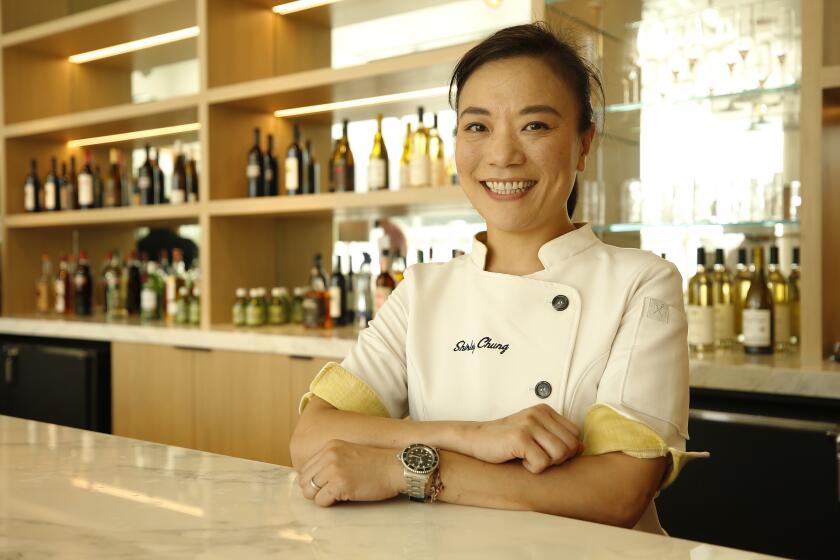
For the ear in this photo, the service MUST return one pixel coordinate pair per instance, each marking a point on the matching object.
(585, 144)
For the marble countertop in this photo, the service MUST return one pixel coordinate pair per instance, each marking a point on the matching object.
(74, 494)
(732, 371)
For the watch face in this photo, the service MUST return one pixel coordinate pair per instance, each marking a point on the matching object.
(420, 458)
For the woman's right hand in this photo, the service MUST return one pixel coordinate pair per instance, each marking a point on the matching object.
(538, 435)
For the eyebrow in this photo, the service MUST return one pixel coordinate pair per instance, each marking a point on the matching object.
(529, 110)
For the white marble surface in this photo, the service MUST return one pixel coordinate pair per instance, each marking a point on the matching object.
(67, 493)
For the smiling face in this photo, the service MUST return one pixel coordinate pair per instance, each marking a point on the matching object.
(518, 147)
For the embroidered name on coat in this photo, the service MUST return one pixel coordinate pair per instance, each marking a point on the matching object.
(485, 343)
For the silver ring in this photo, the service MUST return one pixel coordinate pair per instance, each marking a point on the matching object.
(314, 484)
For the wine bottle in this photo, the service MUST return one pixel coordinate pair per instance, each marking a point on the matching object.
(338, 295)
(98, 187)
(294, 166)
(343, 167)
(158, 181)
(83, 281)
(700, 310)
(420, 167)
(32, 189)
(758, 310)
(74, 180)
(437, 156)
(405, 160)
(254, 171)
(51, 189)
(350, 299)
(378, 164)
(113, 186)
(66, 193)
(778, 286)
(178, 195)
(63, 288)
(44, 286)
(134, 284)
(740, 287)
(86, 198)
(191, 180)
(145, 178)
(722, 299)
(363, 306)
(793, 295)
(270, 171)
(308, 163)
(385, 283)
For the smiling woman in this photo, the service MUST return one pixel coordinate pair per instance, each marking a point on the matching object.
(569, 321)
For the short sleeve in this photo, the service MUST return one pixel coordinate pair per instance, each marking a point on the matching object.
(646, 377)
(378, 358)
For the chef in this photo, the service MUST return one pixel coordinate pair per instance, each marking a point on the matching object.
(545, 371)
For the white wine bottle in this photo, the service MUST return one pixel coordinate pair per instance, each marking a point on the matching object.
(405, 160)
(758, 310)
(420, 168)
(793, 295)
(378, 164)
(722, 299)
(778, 286)
(437, 156)
(741, 285)
(700, 310)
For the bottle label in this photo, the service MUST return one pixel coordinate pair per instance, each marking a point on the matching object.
(781, 322)
(419, 171)
(376, 174)
(80, 281)
(335, 302)
(29, 197)
(252, 171)
(144, 183)
(254, 315)
(59, 296)
(192, 197)
(148, 300)
(340, 177)
(292, 170)
(379, 296)
(724, 321)
(85, 190)
(275, 314)
(701, 324)
(238, 314)
(177, 196)
(268, 174)
(405, 175)
(42, 297)
(49, 195)
(757, 327)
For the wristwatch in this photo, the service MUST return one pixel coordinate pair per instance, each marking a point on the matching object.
(419, 464)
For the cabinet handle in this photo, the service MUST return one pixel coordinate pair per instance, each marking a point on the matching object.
(303, 358)
(9, 364)
(193, 348)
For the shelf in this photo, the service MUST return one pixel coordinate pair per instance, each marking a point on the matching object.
(735, 226)
(736, 96)
(329, 202)
(134, 216)
(831, 77)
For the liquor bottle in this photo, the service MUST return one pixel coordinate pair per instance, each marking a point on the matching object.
(113, 186)
(793, 295)
(182, 311)
(311, 175)
(191, 180)
(740, 287)
(364, 293)
(271, 179)
(100, 287)
(63, 288)
(52, 197)
(114, 294)
(83, 283)
(150, 295)
(316, 305)
(296, 315)
(44, 287)
(158, 181)
(385, 283)
(420, 167)
(758, 310)
(437, 156)
(74, 181)
(419, 256)
(66, 193)
(195, 306)
(98, 187)
(405, 160)
(145, 179)
(254, 309)
(398, 267)
(134, 285)
(343, 168)
(778, 286)
(85, 193)
(254, 171)
(178, 194)
(700, 310)
(318, 270)
(451, 168)
(378, 164)
(239, 306)
(175, 279)
(350, 298)
(722, 299)
(338, 295)
(32, 189)
(294, 166)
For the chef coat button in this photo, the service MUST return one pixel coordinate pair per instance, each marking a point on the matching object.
(543, 389)
(560, 302)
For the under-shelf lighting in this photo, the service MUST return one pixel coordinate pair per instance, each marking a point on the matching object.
(139, 44)
(363, 102)
(300, 5)
(136, 135)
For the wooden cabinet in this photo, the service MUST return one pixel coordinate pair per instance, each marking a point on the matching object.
(243, 404)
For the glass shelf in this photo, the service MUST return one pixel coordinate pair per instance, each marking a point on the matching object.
(737, 226)
(743, 95)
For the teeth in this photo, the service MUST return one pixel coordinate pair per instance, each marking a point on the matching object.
(509, 187)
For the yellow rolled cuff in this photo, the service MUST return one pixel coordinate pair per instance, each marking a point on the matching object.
(344, 391)
(607, 431)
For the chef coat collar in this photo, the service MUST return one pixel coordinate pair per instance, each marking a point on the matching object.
(550, 254)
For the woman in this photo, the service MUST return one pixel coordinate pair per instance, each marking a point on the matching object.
(501, 356)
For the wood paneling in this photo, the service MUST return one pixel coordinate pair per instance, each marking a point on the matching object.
(831, 231)
(231, 136)
(241, 41)
(154, 393)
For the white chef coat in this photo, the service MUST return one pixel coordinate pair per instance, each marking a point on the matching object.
(599, 324)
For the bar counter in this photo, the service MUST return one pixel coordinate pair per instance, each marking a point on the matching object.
(70, 493)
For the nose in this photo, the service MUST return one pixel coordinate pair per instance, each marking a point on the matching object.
(504, 149)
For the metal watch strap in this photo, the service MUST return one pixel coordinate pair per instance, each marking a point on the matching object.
(417, 486)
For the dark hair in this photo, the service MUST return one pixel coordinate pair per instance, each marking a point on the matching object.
(561, 53)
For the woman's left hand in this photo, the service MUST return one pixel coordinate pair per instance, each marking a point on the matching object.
(350, 472)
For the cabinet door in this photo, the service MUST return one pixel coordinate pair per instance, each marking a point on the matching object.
(153, 393)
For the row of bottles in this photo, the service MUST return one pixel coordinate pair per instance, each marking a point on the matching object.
(152, 290)
(422, 163)
(69, 190)
(760, 311)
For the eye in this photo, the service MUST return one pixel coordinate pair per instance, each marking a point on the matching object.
(475, 127)
(536, 125)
